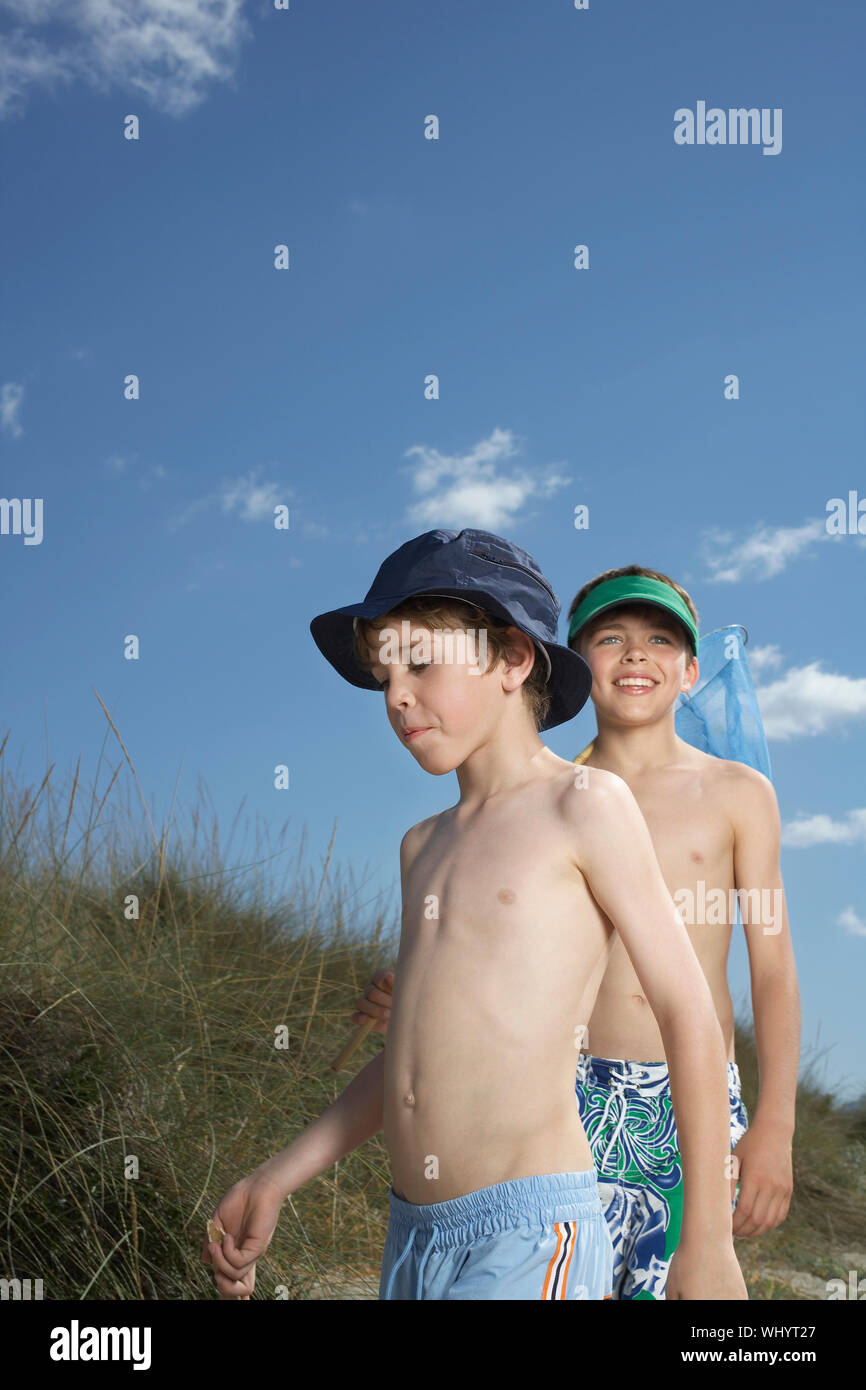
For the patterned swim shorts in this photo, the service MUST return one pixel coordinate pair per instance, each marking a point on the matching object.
(628, 1114)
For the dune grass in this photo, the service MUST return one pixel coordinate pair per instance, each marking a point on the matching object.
(142, 981)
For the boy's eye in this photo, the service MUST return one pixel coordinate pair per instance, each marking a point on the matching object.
(612, 637)
(416, 666)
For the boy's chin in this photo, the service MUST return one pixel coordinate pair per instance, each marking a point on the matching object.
(438, 764)
(639, 709)
(438, 760)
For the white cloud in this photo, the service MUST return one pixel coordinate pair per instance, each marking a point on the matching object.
(250, 499)
(167, 52)
(11, 396)
(471, 489)
(763, 659)
(761, 555)
(851, 922)
(806, 831)
(807, 700)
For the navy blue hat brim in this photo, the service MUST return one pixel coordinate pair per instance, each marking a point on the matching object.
(570, 678)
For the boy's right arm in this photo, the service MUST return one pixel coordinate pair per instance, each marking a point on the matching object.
(248, 1212)
(353, 1118)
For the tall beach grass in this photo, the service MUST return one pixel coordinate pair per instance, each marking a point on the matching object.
(140, 1076)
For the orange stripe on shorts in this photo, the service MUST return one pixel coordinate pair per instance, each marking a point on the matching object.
(552, 1266)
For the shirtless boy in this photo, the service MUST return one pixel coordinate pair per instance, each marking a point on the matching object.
(513, 900)
(714, 826)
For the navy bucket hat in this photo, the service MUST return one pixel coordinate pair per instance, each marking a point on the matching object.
(478, 568)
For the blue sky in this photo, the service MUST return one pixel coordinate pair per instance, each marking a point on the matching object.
(410, 256)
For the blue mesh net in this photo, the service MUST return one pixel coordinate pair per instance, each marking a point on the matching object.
(721, 715)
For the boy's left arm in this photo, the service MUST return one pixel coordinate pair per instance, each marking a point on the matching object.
(764, 1152)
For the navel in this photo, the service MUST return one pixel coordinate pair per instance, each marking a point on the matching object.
(506, 895)
(409, 1098)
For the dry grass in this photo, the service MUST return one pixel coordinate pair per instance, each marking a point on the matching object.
(141, 1077)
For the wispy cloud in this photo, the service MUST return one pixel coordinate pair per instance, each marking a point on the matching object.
(473, 489)
(253, 501)
(11, 396)
(851, 922)
(766, 552)
(762, 659)
(806, 831)
(127, 466)
(807, 701)
(247, 497)
(168, 52)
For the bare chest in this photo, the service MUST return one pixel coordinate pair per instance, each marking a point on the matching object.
(692, 838)
(496, 876)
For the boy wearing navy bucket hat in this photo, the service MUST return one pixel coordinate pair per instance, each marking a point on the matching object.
(689, 742)
(513, 899)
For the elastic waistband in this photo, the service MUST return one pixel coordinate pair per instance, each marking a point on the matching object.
(639, 1076)
(523, 1201)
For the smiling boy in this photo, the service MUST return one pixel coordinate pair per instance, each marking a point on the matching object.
(513, 900)
(715, 830)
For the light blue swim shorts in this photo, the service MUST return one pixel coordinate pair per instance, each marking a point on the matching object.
(540, 1237)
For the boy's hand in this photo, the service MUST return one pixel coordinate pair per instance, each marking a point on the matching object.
(375, 1002)
(766, 1180)
(248, 1214)
(711, 1272)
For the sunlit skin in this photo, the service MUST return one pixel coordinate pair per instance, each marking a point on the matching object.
(711, 820)
(509, 899)
(462, 715)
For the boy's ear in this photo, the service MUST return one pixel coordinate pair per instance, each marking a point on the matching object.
(691, 676)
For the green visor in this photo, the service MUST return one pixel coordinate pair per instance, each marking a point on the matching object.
(633, 588)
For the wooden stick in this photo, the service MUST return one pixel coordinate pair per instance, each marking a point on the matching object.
(352, 1044)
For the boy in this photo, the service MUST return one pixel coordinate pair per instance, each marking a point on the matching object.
(715, 826)
(512, 900)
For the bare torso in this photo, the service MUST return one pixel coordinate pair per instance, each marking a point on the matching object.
(687, 811)
(494, 989)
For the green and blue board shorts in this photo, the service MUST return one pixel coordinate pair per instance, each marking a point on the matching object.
(628, 1115)
(541, 1237)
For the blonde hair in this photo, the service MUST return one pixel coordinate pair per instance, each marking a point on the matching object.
(439, 612)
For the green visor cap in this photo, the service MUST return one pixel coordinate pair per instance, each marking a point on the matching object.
(633, 588)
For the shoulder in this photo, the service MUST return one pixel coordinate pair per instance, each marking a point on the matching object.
(748, 796)
(415, 839)
(593, 795)
(740, 780)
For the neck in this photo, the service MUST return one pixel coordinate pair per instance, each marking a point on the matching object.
(628, 750)
(512, 755)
